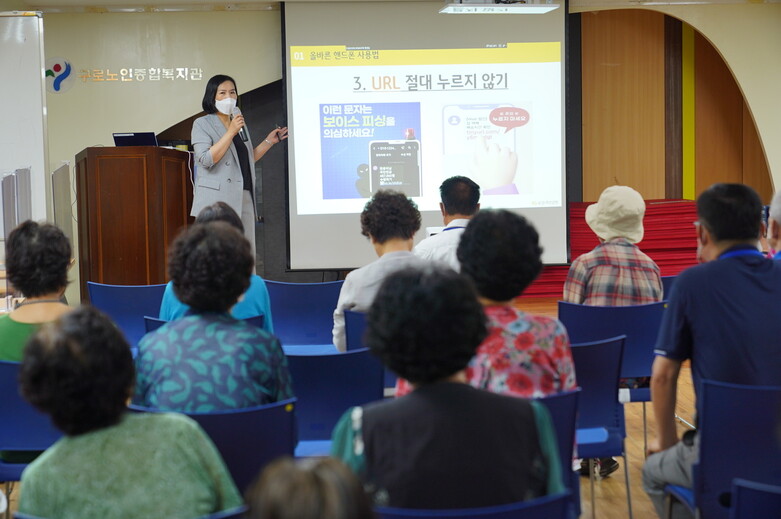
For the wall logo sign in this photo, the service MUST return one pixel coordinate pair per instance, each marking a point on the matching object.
(59, 75)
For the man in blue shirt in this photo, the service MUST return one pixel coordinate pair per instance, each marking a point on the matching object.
(724, 316)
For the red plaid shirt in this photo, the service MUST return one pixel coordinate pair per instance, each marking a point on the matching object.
(615, 273)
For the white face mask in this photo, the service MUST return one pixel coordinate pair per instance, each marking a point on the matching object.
(226, 105)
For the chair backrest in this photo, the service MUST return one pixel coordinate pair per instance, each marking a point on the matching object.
(354, 328)
(22, 427)
(667, 285)
(248, 438)
(547, 507)
(329, 384)
(738, 439)
(153, 323)
(563, 409)
(303, 312)
(752, 500)
(127, 305)
(597, 365)
(640, 324)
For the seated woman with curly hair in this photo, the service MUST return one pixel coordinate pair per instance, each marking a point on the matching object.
(111, 464)
(523, 355)
(37, 258)
(390, 221)
(208, 360)
(446, 444)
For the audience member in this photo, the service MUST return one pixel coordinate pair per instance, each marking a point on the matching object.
(255, 301)
(309, 488)
(460, 201)
(523, 355)
(111, 463)
(37, 259)
(209, 360)
(774, 226)
(723, 316)
(390, 221)
(446, 444)
(616, 272)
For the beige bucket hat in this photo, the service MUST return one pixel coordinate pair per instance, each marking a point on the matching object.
(617, 214)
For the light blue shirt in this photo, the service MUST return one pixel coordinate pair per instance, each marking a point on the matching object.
(255, 302)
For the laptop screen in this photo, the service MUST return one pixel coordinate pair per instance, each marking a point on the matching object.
(135, 139)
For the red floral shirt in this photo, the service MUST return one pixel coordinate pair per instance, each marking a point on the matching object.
(524, 355)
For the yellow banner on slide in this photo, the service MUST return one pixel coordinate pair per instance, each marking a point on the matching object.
(341, 56)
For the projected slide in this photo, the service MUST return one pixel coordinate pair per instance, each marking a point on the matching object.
(366, 119)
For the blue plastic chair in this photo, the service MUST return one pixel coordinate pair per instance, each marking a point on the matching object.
(563, 409)
(548, 507)
(738, 439)
(752, 500)
(354, 328)
(640, 324)
(326, 386)
(303, 312)
(667, 285)
(153, 323)
(22, 427)
(248, 438)
(127, 305)
(600, 425)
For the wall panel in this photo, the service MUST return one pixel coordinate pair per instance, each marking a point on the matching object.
(623, 57)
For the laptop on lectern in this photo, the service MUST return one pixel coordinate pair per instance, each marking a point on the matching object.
(135, 139)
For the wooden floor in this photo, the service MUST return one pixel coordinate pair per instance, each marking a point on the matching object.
(610, 492)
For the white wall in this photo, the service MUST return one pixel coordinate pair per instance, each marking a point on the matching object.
(245, 45)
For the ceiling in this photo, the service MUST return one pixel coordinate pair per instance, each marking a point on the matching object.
(98, 6)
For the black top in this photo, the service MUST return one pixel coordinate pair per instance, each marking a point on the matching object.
(449, 445)
(244, 163)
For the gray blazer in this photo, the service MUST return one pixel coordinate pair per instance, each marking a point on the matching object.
(220, 181)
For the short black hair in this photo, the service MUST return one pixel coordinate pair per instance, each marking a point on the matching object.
(500, 252)
(730, 212)
(390, 214)
(37, 257)
(78, 370)
(210, 266)
(211, 92)
(220, 212)
(308, 488)
(425, 324)
(460, 195)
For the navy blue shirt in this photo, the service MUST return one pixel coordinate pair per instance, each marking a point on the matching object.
(725, 316)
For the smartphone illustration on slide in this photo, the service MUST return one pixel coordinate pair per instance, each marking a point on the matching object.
(463, 128)
(395, 164)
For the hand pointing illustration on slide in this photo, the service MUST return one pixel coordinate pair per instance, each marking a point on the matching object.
(492, 165)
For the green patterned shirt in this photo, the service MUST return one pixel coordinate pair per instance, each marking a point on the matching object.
(148, 465)
(209, 362)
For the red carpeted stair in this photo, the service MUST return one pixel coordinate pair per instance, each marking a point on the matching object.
(670, 240)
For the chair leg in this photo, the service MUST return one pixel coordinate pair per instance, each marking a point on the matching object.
(684, 422)
(591, 480)
(645, 434)
(626, 477)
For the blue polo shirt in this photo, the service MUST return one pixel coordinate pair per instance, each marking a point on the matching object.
(725, 316)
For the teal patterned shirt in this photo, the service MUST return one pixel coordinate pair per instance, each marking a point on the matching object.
(209, 362)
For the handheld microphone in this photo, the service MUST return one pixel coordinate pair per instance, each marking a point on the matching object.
(243, 130)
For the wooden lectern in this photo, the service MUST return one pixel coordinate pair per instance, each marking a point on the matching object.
(131, 203)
